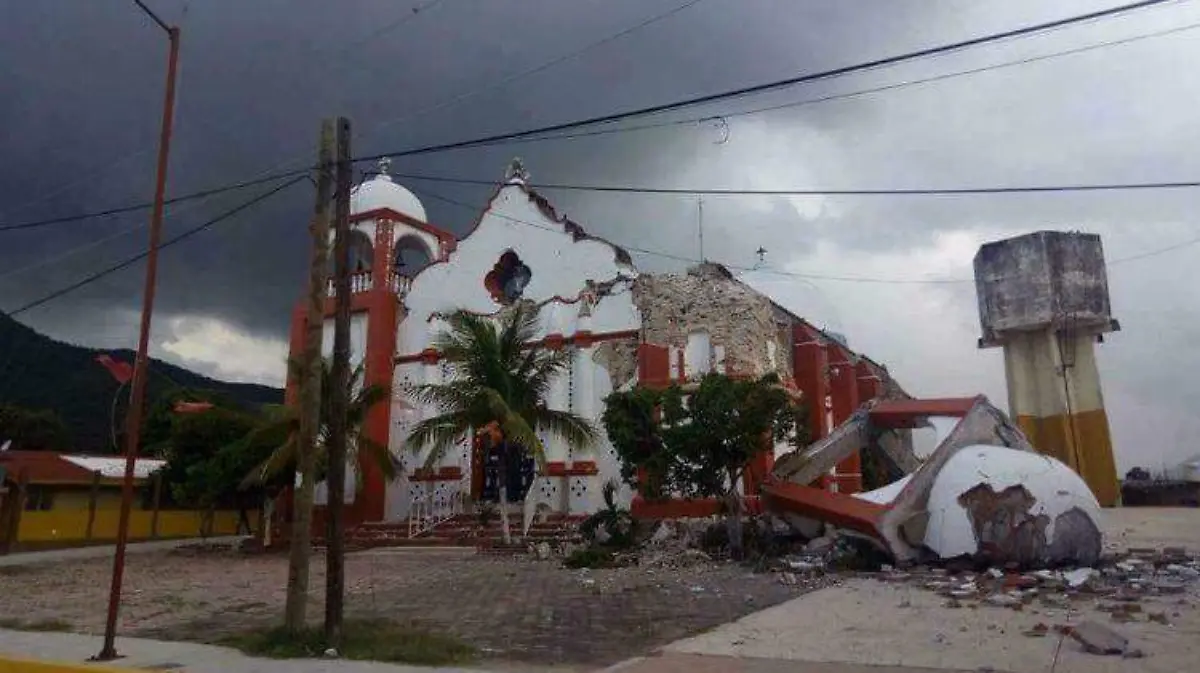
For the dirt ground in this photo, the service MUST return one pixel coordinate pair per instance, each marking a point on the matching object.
(513, 609)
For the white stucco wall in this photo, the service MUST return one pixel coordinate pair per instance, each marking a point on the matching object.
(560, 269)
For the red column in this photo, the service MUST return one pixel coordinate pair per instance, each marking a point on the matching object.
(654, 371)
(759, 466)
(378, 370)
(843, 384)
(809, 369)
(870, 383)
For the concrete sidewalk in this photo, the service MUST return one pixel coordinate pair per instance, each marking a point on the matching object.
(152, 655)
(104, 551)
(670, 662)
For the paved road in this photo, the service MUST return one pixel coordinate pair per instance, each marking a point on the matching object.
(101, 551)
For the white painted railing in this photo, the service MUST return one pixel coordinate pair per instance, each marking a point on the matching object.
(363, 282)
(425, 514)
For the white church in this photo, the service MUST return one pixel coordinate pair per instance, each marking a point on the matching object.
(623, 328)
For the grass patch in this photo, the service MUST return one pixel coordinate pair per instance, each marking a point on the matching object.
(46, 625)
(368, 640)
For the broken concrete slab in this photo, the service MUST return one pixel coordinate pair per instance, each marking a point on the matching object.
(983, 495)
(1099, 639)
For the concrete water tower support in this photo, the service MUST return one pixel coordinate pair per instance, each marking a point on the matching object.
(1043, 297)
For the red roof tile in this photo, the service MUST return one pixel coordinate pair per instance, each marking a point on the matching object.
(44, 467)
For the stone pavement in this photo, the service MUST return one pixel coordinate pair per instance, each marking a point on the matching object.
(106, 551)
(150, 655)
(513, 610)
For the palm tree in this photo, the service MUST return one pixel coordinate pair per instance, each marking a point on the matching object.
(498, 387)
(279, 429)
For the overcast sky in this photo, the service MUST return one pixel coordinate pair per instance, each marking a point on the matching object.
(82, 85)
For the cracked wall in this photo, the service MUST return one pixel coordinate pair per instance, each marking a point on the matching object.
(740, 322)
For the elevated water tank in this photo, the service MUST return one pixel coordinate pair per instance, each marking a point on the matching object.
(1043, 280)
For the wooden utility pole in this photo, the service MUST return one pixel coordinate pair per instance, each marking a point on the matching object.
(137, 391)
(309, 371)
(339, 403)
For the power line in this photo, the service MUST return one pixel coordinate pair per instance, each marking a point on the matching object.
(682, 258)
(778, 84)
(791, 274)
(138, 257)
(867, 91)
(527, 134)
(149, 12)
(1015, 189)
(33, 224)
(505, 81)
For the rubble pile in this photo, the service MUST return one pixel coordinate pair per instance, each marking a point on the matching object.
(1138, 585)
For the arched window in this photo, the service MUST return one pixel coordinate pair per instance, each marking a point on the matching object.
(362, 253)
(410, 255)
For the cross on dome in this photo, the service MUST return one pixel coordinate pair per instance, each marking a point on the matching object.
(384, 164)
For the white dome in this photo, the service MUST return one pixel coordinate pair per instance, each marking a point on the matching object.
(381, 192)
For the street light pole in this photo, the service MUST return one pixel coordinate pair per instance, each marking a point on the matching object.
(137, 393)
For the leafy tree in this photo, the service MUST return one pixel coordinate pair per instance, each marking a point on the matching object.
(159, 420)
(498, 388)
(33, 429)
(279, 426)
(697, 440)
(196, 456)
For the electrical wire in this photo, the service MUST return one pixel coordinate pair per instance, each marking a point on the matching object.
(505, 81)
(725, 116)
(167, 243)
(33, 224)
(778, 84)
(1015, 189)
(665, 107)
(790, 274)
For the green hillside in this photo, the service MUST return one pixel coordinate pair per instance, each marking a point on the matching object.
(39, 373)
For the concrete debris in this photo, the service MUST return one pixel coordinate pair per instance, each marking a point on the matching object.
(1079, 577)
(983, 495)
(1099, 639)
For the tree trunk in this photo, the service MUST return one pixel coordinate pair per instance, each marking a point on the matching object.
(296, 610)
(502, 489)
(733, 519)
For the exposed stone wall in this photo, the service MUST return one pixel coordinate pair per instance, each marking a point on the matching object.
(619, 358)
(736, 317)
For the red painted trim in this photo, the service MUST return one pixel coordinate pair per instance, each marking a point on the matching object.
(837, 509)
(389, 214)
(583, 468)
(554, 342)
(680, 508)
(905, 413)
(556, 469)
(584, 339)
(451, 473)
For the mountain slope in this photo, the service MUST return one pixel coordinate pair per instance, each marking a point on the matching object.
(38, 372)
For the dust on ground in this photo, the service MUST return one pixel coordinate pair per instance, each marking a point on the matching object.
(515, 609)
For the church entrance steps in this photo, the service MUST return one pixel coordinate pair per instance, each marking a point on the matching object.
(465, 531)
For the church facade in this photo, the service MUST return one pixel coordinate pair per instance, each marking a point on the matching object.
(622, 329)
